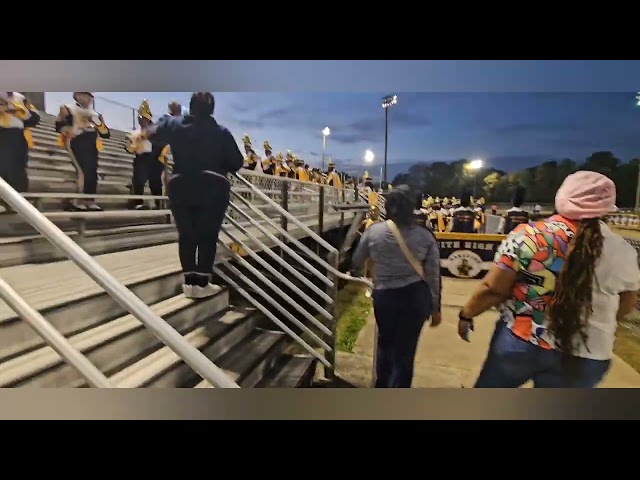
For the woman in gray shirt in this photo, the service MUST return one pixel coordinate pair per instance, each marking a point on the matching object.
(402, 301)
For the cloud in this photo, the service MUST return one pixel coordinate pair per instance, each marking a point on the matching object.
(535, 128)
(283, 117)
(249, 124)
(410, 119)
(620, 141)
(239, 108)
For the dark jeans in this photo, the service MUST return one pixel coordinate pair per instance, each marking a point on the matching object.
(198, 213)
(400, 315)
(512, 362)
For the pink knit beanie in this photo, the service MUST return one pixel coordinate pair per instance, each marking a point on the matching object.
(585, 195)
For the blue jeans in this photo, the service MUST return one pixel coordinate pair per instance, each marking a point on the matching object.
(512, 362)
(400, 315)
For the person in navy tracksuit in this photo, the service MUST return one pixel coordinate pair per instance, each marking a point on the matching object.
(204, 152)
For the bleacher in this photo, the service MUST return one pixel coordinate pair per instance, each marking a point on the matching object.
(256, 341)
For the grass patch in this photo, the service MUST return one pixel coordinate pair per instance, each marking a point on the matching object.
(352, 310)
(627, 345)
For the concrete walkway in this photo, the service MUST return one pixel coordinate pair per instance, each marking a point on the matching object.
(443, 360)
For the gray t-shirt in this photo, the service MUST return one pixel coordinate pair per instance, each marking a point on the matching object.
(390, 267)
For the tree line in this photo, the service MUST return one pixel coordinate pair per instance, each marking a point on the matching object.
(444, 179)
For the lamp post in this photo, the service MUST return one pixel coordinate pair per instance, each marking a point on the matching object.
(325, 134)
(387, 102)
(368, 156)
(474, 166)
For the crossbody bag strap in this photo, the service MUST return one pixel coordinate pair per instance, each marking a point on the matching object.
(417, 266)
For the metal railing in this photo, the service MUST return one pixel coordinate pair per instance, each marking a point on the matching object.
(247, 192)
(127, 299)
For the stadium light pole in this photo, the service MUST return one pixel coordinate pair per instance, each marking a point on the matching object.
(325, 133)
(387, 102)
(474, 166)
(368, 156)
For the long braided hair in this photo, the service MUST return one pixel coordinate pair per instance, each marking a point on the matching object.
(571, 305)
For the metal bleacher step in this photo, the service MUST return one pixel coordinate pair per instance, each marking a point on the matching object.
(215, 337)
(110, 346)
(291, 371)
(248, 363)
(35, 248)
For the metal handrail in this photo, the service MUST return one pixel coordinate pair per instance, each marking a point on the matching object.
(278, 259)
(53, 337)
(266, 312)
(289, 217)
(292, 239)
(121, 294)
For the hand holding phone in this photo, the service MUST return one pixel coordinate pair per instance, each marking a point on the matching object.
(465, 327)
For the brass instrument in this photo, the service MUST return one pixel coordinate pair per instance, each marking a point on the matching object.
(15, 106)
(93, 120)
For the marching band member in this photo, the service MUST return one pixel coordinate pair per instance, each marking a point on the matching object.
(315, 175)
(149, 161)
(81, 128)
(515, 215)
(17, 115)
(281, 169)
(374, 217)
(432, 215)
(426, 204)
(537, 213)
(300, 172)
(370, 191)
(269, 161)
(333, 178)
(446, 212)
(291, 164)
(251, 161)
(462, 218)
(479, 213)
(304, 174)
(440, 217)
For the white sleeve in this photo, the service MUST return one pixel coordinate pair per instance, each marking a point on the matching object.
(628, 269)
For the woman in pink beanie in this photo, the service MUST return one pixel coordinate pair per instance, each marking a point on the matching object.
(562, 284)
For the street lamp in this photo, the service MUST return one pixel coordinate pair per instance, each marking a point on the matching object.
(368, 156)
(475, 165)
(325, 134)
(387, 102)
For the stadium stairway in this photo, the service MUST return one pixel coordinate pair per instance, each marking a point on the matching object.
(138, 249)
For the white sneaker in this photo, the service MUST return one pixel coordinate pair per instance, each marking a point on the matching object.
(204, 292)
(187, 290)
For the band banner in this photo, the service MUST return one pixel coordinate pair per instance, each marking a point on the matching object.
(467, 255)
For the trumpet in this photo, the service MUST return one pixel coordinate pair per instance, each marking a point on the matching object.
(94, 121)
(17, 108)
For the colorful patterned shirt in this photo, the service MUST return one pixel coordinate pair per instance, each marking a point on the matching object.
(536, 252)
